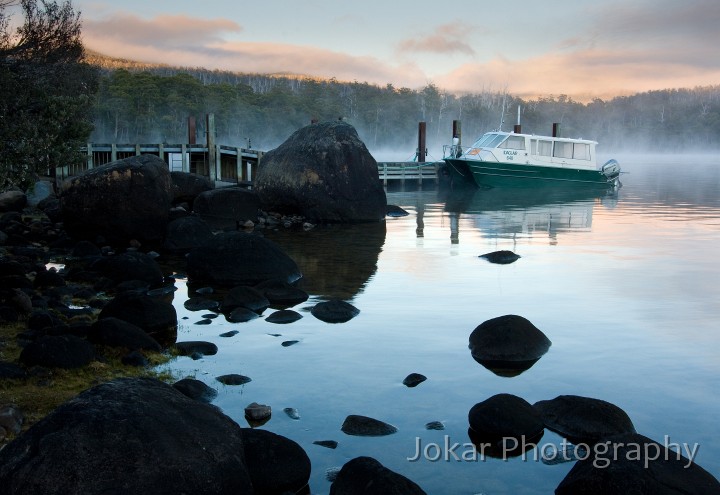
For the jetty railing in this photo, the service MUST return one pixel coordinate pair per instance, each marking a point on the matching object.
(220, 163)
(225, 165)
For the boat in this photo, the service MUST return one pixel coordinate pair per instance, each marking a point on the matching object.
(502, 159)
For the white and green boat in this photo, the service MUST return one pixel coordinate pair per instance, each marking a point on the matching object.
(507, 159)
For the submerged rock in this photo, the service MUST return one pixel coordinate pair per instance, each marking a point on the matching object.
(501, 257)
(503, 423)
(414, 379)
(365, 475)
(233, 379)
(508, 345)
(633, 463)
(364, 426)
(284, 316)
(334, 311)
(583, 419)
(190, 347)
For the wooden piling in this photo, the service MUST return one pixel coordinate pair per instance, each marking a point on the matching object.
(421, 142)
(212, 150)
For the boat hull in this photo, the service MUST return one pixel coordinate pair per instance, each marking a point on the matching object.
(494, 174)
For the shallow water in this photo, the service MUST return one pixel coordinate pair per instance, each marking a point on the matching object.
(624, 285)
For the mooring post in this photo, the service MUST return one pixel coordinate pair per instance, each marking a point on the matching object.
(556, 130)
(184, 159)
(212, 151)
(192, 133)
(457, 132)
(421, 142)
(89, 161)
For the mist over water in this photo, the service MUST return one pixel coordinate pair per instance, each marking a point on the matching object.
(624, 284)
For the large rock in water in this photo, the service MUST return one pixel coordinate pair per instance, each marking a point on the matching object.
(227, 207)
(366, 476)
(128, 436)
(238, 258)
(123, 200)
(633, 463)
(325, 173)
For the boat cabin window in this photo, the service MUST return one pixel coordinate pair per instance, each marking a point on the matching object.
(581, 151)
(513, 143)
(544, 148)
(483, 141)
(563, 149)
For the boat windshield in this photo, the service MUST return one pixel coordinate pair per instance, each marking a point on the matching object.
(489, 140)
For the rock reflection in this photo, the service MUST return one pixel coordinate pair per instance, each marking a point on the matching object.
(336, 260)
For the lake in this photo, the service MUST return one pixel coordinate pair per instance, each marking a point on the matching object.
(624, 285)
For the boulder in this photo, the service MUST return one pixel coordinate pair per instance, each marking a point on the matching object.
(128, 266)
(115, 332)
(277, 464)
(227, 207)
(325, 173)
(508, 345)
(503, 423)
(414, 379)
(239, 258)
(583, 419)
(187, 186)
(632, 463)
(185, 233)
(122, 200)
(366, 476)
(12, 201)
(157, 317)
(61, 351)
(140, 435)
(246, 297)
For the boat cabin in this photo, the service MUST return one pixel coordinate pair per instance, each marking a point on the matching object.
(508, 147)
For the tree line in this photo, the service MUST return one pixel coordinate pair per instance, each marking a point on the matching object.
(152, 104)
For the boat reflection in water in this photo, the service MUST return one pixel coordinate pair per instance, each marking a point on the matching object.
(525, 210)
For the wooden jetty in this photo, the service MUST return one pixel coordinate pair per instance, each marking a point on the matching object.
(231, 165)
(222, 164)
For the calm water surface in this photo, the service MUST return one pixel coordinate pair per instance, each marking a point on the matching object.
(625, 286)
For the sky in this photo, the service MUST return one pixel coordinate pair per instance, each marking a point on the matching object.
(582, 48)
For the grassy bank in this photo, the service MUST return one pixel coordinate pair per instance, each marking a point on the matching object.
(44, 389)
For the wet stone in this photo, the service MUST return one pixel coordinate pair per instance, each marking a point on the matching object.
(334, 311)
(284, 316)
(233, 379)
(414, 379)
(257, 412)
(200, 304)
(195, 389)
(288, 343)
(204, 321)
(434, 425)
(292, 412)
(241, 315)
(500, 257)
(190, 347)
(231, 333)
(364, 426)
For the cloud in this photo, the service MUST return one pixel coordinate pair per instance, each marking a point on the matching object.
(446, 39)
(165, 31)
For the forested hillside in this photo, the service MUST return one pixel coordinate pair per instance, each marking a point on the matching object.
(142, 103)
